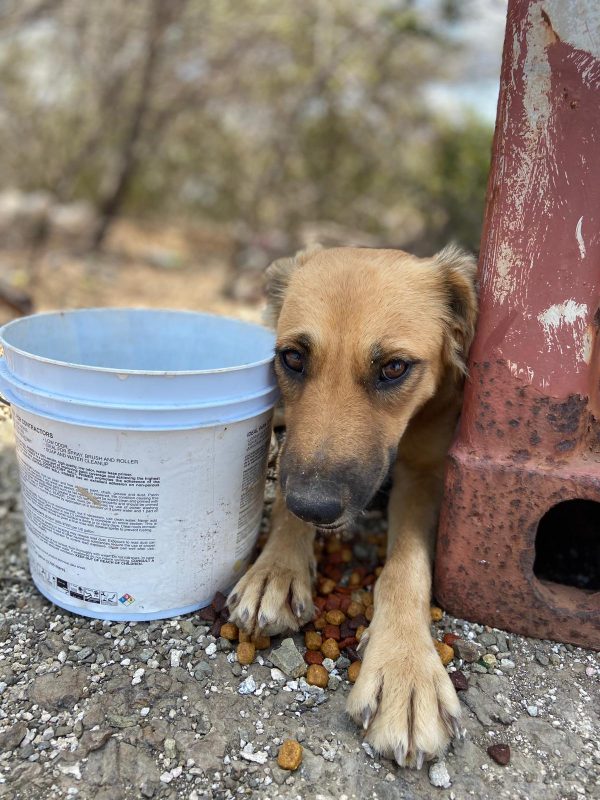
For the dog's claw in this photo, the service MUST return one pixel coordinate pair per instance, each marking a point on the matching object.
(232, 600)
(459, 733)
(244, 615)
(263, 620)
(298, 609)
(366, 718)
(419, 759)
(364, 639)
(400, 755)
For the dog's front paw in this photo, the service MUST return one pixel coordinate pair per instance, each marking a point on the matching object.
(404, 699)
(272, 597)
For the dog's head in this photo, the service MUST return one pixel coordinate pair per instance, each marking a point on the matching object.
(364, 339)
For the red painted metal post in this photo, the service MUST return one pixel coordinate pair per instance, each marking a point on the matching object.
(530, 429)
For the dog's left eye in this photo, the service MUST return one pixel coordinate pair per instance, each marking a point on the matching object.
(394, 370)
(293, 359)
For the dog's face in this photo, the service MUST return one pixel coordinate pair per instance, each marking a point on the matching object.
(364, 339)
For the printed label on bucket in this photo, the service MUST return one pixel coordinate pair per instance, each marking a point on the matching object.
(139, 522)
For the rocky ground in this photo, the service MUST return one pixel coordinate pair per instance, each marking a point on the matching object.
(114, 711)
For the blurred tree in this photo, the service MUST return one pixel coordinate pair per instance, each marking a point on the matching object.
(451, 189)
(240, 110)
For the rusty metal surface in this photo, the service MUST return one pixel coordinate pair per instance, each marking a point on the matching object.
(530, 430)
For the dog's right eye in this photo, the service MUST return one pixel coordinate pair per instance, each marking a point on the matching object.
(293, 360)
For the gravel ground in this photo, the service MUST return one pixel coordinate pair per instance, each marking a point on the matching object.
(114, 711)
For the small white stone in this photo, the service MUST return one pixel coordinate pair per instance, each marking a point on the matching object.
(368, 749)
(260, 757)
(211, 649)
(277, 675)
(532, 711)
(71, 769)
(247, 686)
(438, 775)
(137, 676)
(145, 711)
(175, 660)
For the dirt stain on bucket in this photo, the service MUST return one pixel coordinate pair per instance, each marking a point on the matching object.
(89, 496)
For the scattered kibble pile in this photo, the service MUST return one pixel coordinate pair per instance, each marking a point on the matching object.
(343, 611)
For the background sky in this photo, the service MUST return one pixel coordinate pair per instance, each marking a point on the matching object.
(475, 87)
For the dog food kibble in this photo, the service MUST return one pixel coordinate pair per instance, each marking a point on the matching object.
(346, 555)
(261, 642)
(335, 617)
(244, 637)
(245, 653)
(353, 671)
(332, 603)
(313, 657)
(436, 613)
(290, 755)
(355, 579)
(229, 631)
(354, 609)
(359, 632)
(450, 638)
(320, 623)
(345, 603)
(500, 753)
(332, 632)
(330, 649)
(313, 640)
(369, 613)
(317, 675)
(445, 652)
(327, 586)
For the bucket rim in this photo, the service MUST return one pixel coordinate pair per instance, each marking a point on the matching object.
(135, 372)
(147, 427)
(29, 388)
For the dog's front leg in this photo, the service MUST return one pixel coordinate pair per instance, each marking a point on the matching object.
(403, 696)
(275, 594)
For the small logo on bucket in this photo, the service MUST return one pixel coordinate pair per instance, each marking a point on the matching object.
(126, 599)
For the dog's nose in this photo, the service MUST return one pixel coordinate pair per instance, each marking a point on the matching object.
(315, 508)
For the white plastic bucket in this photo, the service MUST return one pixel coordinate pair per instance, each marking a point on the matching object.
(142, 438)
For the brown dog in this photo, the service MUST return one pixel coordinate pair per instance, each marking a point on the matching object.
(371, 350)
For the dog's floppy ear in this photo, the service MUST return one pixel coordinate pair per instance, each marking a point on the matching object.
(278, 276)
(458, 271)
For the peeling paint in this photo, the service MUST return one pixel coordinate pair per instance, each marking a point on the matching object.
(518, 371)
(577, 23)
(537, 69)
(569, 314)
(579, 237)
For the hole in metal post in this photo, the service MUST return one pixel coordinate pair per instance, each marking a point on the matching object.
(567, 545)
